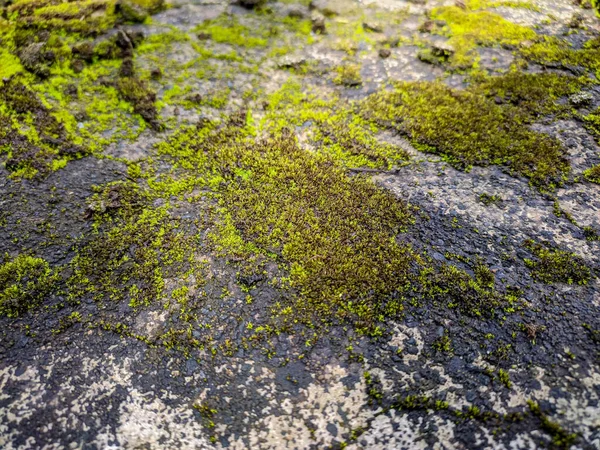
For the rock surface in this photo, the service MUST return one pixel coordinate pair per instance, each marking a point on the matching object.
(261, 225)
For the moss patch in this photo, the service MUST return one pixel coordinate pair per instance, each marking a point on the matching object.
(333, 126)
(592, 174)
(33, 138)
(135, 248)
(556, 266)
(335, 235)
(226, 30)
(468, 127)
(24, 282)
(468, 29)
(554, 51)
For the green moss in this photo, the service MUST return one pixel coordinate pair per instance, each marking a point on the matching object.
(31, 134)
(226, 30)
(535, 95)
(561, 438)
(484, 275)
(443, 344)
(135, 247)
(348, 75)
(335, 235)
(9, 64)
(504, 378)
(556, 266)
(24, 282)
(453, 286)
(468, 128)
(554, 51)
(469, 29)
(87, 17)
(141, 97)
(591, 234)
(484, 4)
(592, 123)
(489, 199)
(335, 127)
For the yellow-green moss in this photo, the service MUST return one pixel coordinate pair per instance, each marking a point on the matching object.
(30, 133)
(334, 126)
(592, 123)
(553, 51)
(24, 282)
(87, 17)
(468, 127)
(561, 438)
(229, 31)
(469, 29)
(348, 75)
(335, 235)
(134, 249)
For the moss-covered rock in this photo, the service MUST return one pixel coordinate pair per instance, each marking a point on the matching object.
(24, 283)
(592, 174)
(469, 127)
(556, 266)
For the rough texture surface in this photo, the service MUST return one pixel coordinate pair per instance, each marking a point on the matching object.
(285, 225)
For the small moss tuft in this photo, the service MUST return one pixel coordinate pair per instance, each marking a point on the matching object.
(24, 282)
(561, 438)
(348, 75)
(592, 174)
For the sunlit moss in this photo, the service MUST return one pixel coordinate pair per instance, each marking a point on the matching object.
(334, 234)
(551, 50)
(484, 4)
(87, 16)
(336, 127)
(234, 33)
(469, 29)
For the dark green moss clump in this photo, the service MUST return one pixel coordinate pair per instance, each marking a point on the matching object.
(473, 296)
(24, 282)
(489, 199)
(137, 93)
(534, 94)
(556, 266)
(485, 124)
(555, 52)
